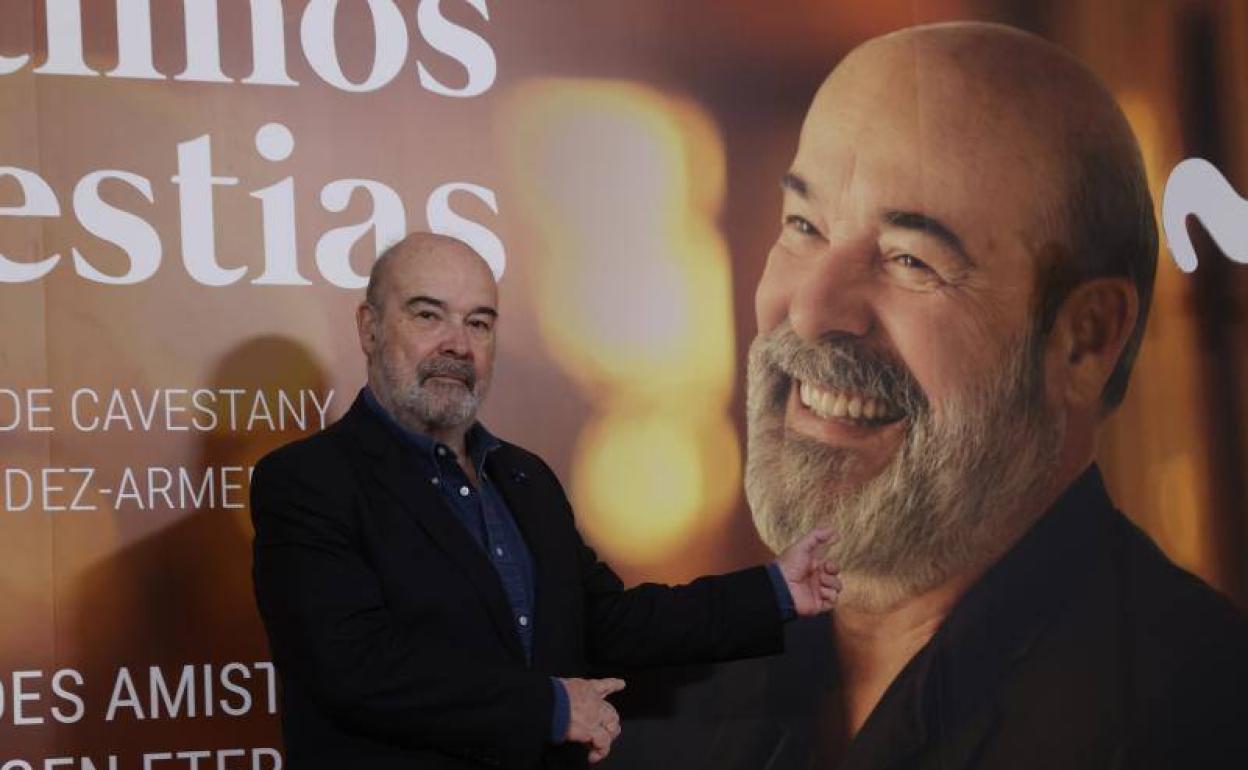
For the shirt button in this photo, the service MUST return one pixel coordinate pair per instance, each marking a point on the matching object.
(524, 621)
(464, 491)
(498, 551)
(434, 481)
(441, 451)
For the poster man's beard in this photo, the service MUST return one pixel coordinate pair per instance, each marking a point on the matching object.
(960, 489)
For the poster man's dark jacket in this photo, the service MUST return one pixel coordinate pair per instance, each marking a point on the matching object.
(390, 629)
(1083, 648)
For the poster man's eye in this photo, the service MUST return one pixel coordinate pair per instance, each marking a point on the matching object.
(801, 225)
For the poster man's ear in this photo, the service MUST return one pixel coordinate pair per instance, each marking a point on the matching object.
(1092, 327)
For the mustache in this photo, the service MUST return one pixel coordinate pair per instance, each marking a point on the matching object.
(444, 366)
(838, 362)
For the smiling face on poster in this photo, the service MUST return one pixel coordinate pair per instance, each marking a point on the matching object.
(947, 200)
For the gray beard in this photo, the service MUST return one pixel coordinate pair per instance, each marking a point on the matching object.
(422, 408)
(960, 490)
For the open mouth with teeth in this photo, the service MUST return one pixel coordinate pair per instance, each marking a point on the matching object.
(847, 406)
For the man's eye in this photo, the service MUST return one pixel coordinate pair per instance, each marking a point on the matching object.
(801, 225)
(911, 262)
(426, 315)
(480, 325)
(911, 271)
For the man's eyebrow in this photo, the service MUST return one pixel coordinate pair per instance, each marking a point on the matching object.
(913, 220)
(425, 299)
(795, 183)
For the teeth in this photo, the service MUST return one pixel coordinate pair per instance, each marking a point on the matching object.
(830, 404)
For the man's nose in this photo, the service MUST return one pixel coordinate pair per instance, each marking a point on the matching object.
(454, 340)
(832, 295)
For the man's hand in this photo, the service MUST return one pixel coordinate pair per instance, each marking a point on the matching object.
(593, 721)
(812, 581)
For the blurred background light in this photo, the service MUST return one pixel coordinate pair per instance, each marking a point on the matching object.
(633, 289)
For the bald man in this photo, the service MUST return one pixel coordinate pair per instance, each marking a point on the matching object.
(428, 600)
(949, 314)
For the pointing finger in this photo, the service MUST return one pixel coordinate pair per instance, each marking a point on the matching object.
(605, 687)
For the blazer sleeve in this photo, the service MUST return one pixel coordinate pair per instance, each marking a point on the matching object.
(330, 628)
(713, 618)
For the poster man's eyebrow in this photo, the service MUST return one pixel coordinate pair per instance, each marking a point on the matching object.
(795, 183)
(913, 220)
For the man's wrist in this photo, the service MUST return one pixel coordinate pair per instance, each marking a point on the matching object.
(784, 597)
(562, 713)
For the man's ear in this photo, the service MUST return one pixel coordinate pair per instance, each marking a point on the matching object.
(366, 324)
(1092, 327)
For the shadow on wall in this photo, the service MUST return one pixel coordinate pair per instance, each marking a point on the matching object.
(183, 598)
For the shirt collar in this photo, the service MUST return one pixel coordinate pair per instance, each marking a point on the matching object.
(479, 441)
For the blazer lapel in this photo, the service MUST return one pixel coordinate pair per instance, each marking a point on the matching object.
(393, 465)
(998, 622)
(960, 749)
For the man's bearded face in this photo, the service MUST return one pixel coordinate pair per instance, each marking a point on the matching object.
(950, 498)
(442, 392)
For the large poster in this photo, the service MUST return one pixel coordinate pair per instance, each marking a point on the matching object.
(191, 195)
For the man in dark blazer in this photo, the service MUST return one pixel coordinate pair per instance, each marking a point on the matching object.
(427, 597)
(948, 316)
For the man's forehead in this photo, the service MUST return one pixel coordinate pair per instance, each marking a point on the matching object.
(879, 144)
(862, 176)
(921, 115)
(445, 273)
